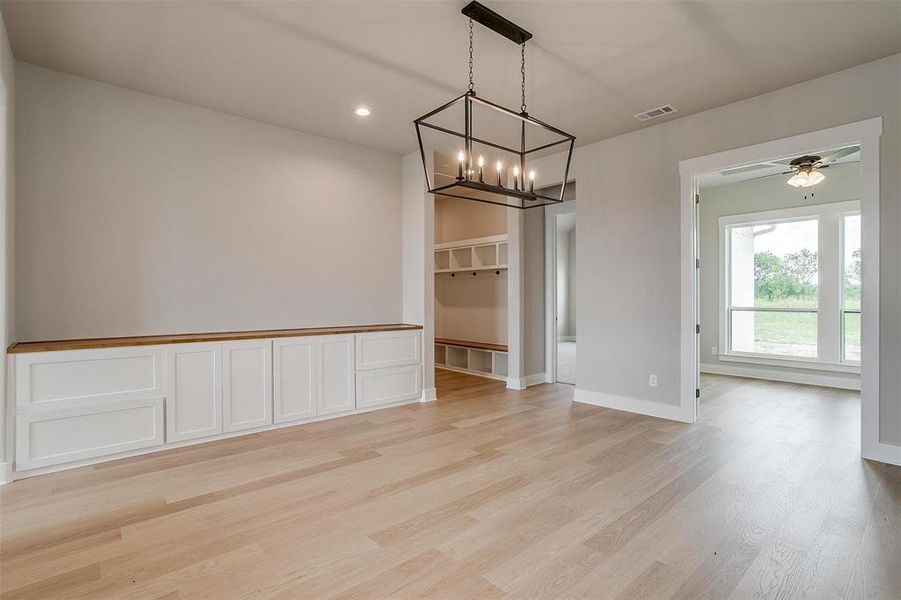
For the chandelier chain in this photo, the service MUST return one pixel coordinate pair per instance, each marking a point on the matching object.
(470, 55)
(523, 71)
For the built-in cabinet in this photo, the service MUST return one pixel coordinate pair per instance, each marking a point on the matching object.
(295, 372)
(76, 405)
(336, 375)
(471, 305)
(194, 391)
(246, 384)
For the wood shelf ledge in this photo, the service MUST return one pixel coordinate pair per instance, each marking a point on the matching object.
(186, 338)
(471, 344)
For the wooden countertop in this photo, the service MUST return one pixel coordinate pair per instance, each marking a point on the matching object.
(471, 344)
(183, 338)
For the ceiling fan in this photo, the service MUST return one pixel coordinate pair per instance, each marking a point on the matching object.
(805, 170)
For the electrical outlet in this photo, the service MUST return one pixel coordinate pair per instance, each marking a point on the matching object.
(652, 381)
(714, 351)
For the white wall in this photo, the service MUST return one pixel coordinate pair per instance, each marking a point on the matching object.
(140, 215)
(566, 284)
(418, 244)
(457, 219)
(533, 291)
(7, 219)
(842, 183)
(629, 224)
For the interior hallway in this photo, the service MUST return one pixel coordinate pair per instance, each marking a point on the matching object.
(484, 494)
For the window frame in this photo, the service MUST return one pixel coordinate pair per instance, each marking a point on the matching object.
(830, 225)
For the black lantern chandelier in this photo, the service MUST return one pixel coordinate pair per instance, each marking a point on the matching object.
(488, 153)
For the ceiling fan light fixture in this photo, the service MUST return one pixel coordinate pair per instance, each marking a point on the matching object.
(798, 180)
(815, 177)
(806, 178)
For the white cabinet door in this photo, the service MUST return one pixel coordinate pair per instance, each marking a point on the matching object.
(247, 384)
(377, 387)
(336, 364)
(194, 391)
(296, 378)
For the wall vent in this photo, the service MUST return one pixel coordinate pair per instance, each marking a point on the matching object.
(653, 113)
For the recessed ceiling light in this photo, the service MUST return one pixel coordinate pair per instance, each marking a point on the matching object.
(362, 111)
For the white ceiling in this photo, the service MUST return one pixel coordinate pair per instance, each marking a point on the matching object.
(591, 65)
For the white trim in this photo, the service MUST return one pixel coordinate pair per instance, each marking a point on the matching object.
(789, 363)
(866, 134)
(428, 395)
(551, 212)
(833, 381)
(886, 453)
(6, 472)
(482, 241)
(534, 379)
(516, 383)
(474, 373)
(635, 405)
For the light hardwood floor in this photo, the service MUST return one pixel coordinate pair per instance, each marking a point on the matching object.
(486, 493)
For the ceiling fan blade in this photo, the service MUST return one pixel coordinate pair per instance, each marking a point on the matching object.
(748, 168)
(834, 156)
(765, 176)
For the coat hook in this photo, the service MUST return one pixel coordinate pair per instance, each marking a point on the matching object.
(453, 274)
(497, 272)
(474, 273)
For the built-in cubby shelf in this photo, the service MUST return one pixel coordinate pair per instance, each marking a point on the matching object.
(476, 358)
(480, 254)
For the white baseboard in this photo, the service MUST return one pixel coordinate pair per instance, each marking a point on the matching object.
(534, 379)
(673, 412)
(429, 395)
(6, 473)
(824, 380)
(521, 383)
(886, 453)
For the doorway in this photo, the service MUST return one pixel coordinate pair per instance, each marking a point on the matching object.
(560, 290)
(864, 136)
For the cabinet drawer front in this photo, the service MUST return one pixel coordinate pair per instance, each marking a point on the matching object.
(194, 394)
(295, 388)
(54, 437)
(52, 380)
(247, 385)
(388, 349)
(387, 386)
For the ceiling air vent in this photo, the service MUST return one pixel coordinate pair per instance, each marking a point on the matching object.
(653, 113)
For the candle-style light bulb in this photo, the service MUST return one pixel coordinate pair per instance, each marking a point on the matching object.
(531, 182)
(481, 164)
(500, 167)
(516, 177)
(461, 157)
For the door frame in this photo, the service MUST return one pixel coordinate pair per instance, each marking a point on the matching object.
(864, 133)
(551, 213)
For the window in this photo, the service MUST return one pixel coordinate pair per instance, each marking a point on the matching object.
(774, 304)
(791, 284)
(851, 263)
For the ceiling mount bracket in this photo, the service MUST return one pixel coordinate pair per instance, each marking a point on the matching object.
(496, 23)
